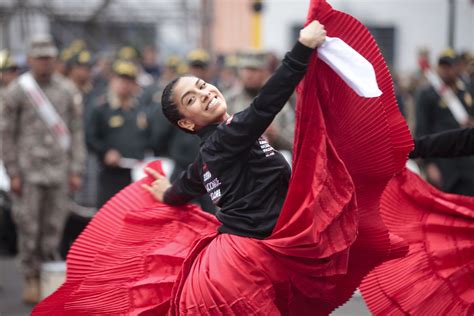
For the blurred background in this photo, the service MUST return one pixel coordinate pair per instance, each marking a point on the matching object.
(234, 44)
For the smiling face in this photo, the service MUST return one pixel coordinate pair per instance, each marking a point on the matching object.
(200, 103)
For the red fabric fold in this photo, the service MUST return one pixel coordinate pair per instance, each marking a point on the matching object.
(366, 139)
(437, 275)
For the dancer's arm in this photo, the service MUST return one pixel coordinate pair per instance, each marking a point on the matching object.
(187, 187)
(241, 131)
(453, 143)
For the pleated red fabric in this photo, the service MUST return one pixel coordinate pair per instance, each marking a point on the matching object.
(372, 140)
(127, 259)
(437, 275)
(139, 257)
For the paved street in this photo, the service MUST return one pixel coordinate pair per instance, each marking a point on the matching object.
(10, 289)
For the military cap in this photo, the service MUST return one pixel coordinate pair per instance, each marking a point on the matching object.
(6, 61)
(77, 45)
(42, 45)
(125, 68)
(231, 61)
(66, 54)
(447, 57)
(127, 53)
(198, 58)
(82, 58)
(173, 61)
(253, 58)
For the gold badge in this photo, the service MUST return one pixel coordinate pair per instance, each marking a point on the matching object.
(116, 121)
(142, 121)
(442, 104)
(468, 99)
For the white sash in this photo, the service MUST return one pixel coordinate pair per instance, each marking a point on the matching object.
(45, 110)
(356, 71)
(447, 95)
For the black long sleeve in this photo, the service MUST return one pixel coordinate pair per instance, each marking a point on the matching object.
(240, 171)
(449, 144)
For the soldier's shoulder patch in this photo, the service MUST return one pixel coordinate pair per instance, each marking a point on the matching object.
(442, 104)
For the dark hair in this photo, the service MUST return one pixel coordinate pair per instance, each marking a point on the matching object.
(169, 107)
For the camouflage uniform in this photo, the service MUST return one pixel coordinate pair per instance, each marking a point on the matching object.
(31, 152)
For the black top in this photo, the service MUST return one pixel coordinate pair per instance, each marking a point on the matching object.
(453, 143)
(240, 171)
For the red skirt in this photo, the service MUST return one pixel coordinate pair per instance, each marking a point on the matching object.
(140, 257)
(437, 275)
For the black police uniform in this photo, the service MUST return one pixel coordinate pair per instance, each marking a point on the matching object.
(128, 132)
(240, 171)
(433, 116)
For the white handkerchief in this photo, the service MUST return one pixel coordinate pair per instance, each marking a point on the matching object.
(351, 66)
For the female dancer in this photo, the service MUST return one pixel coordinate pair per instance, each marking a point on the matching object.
(300, 255)
(244, 176)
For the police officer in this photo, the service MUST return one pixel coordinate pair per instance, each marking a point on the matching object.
(199, 62)
(41, 157)
(119, 129)
(84, 201)
(79, 72)
(8, 69)
(131, 54)
(433, 115)
(254, 70)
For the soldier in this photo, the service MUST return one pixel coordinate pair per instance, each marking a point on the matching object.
(254, 70)
(434, 115)
(43, 151)
(119, 129)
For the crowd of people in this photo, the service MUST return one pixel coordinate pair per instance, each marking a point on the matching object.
(71, 136)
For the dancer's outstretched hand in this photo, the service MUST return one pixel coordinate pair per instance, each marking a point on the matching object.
(157, 187)
(313, 35)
